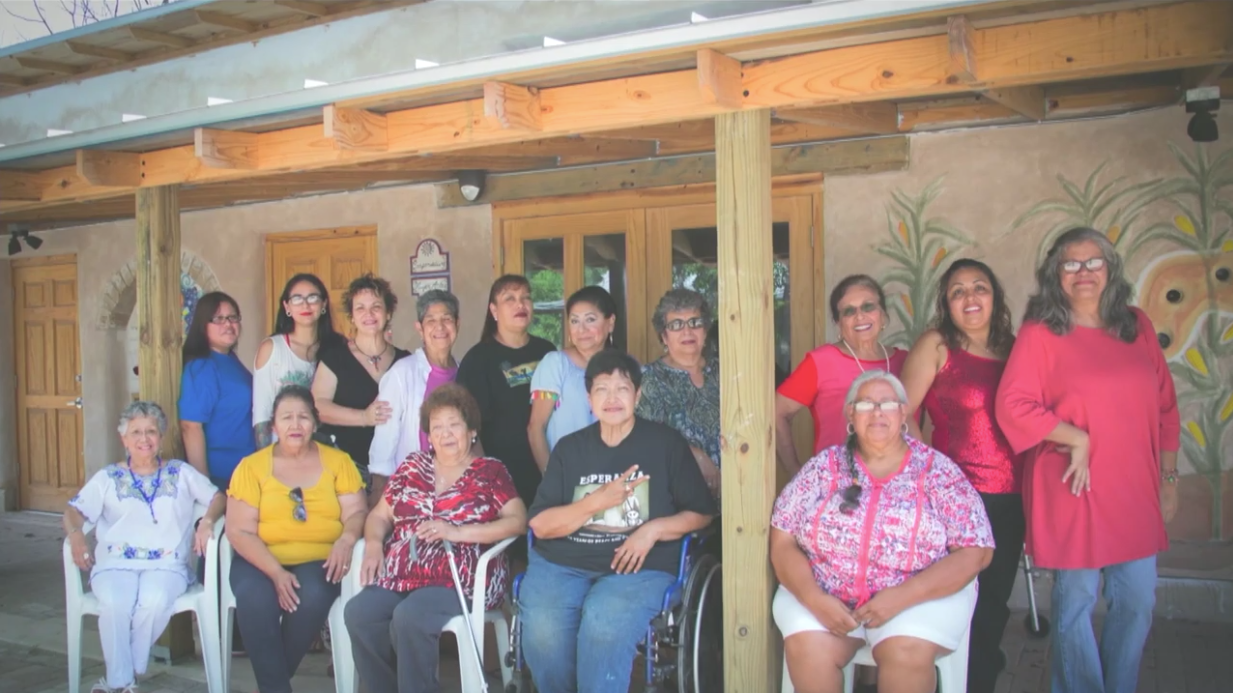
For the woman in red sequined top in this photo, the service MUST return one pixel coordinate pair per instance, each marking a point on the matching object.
(877, 541)
(445, 493)
(953, 371)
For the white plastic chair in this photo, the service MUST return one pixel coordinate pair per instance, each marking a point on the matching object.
(466, 656)
(340, 642)
(200, 599)
(952, 669)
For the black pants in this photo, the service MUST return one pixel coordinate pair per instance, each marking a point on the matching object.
(278, 640)
(996, 582)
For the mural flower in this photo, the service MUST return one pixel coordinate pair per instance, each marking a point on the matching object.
(918, 246)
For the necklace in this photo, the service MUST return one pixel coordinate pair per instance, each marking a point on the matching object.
(374, 360)
(154, 486)
(858, 360)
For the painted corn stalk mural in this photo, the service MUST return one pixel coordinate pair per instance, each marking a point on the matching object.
(918, 247)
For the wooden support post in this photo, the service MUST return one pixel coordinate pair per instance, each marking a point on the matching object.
(162, 333)
(747, 386)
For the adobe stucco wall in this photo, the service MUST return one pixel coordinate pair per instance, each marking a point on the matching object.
(231, 243)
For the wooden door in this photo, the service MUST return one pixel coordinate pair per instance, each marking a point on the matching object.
(337, 256)
(48, 365)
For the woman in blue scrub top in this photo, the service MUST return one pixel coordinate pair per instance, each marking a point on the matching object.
(216, 391)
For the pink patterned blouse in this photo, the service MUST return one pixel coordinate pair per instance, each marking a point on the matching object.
(905, 523)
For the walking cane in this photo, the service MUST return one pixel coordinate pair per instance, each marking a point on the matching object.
(1037, 625)
(466, 617)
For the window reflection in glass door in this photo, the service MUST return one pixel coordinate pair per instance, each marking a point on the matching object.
(543, 264)
(603, 264)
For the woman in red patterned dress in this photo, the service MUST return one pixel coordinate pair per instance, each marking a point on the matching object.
(877, 541)
(953, 372)
(443, 494)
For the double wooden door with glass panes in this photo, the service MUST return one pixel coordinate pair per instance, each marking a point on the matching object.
(640, 246)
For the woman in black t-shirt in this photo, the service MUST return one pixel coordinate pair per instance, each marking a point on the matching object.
(497, 371)
(615, 502)
(345, 384)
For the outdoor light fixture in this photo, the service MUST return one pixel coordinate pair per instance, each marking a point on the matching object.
(470, 184)
(14, 244)
(15, 238)
(1202, 102)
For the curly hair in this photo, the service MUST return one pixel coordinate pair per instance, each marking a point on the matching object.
(375, 284)
(455, 396)
(1001, 328)
(679, 300)
(1051, 307)
(142, 409)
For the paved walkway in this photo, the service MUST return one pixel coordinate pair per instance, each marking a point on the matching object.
(1181, 656)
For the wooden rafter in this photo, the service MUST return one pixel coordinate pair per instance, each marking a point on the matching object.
(878, 118)
(159, 37)
(49, 66)
(109, 168)
(94, 51)
(513, 107)
(225, 21)
(1152, 39)
(226, 149)
(311, 9)
(356, 129)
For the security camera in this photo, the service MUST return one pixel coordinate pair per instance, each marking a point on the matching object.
(1202, 102)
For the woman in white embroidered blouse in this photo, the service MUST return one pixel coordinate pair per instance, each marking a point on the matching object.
(143, 512)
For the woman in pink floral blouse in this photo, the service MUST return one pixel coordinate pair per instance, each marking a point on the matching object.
(877, 541)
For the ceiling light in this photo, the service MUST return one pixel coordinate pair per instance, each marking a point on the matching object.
(1202, 102)
(471, 184)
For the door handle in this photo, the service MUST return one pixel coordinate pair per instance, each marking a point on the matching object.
(75, 403)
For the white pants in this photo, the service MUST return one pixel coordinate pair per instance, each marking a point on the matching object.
(941, 621)
(134, 609)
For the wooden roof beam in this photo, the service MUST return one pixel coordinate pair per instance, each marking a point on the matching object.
(1028, 102)
(311, 9)
(225, 21)
(49, 66)
(356, 130)
(151, 36)
(22, 186)
(12, 81)
(719, 79)
(121, 169)
(1205, 76)
(226, 149)
(876, 118)
(513, 107)
(93, 51)
(964, 68)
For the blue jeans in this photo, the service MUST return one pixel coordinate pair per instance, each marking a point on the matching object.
(1079, 665)
(571, 615)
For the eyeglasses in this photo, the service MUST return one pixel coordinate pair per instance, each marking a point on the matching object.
(865, 406)
(234, 319)
(1092, 264)
(866, 307)
(692, 323)
(851, 499)
(298, 300)
(300, 513)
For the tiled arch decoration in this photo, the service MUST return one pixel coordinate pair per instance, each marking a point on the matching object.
(120, 294)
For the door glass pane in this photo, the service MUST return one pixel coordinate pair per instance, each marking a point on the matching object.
(603, 264)
(695, 262)
(543, 264)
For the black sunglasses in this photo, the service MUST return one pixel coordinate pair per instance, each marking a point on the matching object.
(300, 513)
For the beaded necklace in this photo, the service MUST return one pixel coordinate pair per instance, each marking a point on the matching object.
(154, 486)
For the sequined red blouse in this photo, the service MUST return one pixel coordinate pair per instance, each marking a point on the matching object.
(960, 405)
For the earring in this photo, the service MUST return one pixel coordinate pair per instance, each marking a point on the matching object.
(851, 428)
(288, 313)
(903, 428)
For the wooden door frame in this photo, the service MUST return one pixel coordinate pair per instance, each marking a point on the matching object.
(272, 292)
(24, 263)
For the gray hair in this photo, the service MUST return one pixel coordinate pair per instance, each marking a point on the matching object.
(678, 300)
(869, 377)
(143, 409)
(428, 299)
(1051, 307)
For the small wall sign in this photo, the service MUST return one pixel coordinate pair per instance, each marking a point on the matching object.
(430, 268)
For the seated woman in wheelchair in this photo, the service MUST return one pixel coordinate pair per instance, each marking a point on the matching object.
(144, 509)
(879, 542)
(444, 492)
(616, 499)
(294, 512)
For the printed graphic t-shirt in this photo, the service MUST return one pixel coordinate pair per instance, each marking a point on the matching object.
(500, 380)
(582, 462)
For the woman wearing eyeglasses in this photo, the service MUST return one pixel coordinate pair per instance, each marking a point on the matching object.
(876, 541)
(681, 389)
(289, 356)
(1088, 395)
(858, 307)
(294, 512)
(216, 391)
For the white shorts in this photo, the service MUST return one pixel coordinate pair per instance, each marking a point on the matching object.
(941, 621)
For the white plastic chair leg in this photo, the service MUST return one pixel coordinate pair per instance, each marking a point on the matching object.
(500, 629)
(786, 686)
(226, 627)
(207, 629)
(849, 677)
(73, 621)
(345, 680)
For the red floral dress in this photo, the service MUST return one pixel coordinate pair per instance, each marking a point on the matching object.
(475, 498)
(905, 523)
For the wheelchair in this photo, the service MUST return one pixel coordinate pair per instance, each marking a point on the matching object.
(683, 648)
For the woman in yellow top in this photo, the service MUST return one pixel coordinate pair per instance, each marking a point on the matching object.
(294, 512)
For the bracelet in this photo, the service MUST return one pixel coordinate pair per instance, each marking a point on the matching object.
(73, 531)
(1169, 476)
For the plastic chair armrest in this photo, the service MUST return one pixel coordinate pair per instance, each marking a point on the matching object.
(351, 581)
(481, 578)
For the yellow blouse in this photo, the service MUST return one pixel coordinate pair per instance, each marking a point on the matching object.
(291, 541)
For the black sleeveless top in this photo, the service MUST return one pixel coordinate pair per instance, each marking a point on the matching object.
(356, 390)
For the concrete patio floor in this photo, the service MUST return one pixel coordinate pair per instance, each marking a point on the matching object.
(1181, 656)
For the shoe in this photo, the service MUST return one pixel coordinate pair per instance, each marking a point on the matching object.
(101, 687)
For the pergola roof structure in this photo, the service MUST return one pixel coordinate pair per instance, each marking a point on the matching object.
(985, 63)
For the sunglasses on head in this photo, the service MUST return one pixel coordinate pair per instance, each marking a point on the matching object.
(300, 513)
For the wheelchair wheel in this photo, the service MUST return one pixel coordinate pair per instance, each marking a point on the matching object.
(700, 649)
